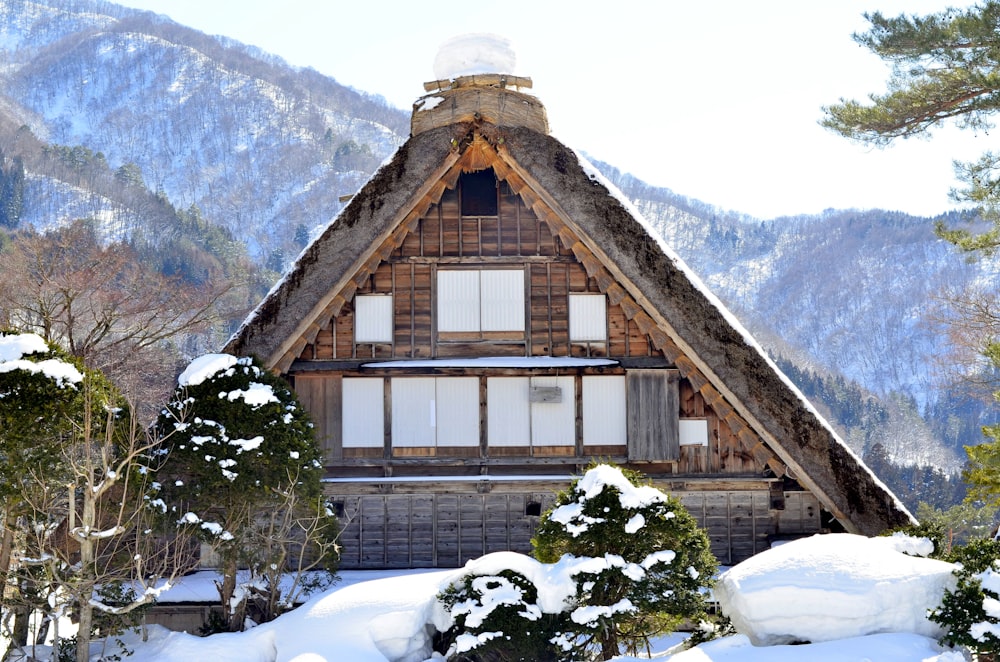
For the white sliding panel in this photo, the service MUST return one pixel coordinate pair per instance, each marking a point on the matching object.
(604, 410)
(502, 297)
(458, 300)
(457, 411)
(507, 411)
(554, 423)
(693, 432)
(414, 415)
(364, 419)
(588, 318)
(373, 318)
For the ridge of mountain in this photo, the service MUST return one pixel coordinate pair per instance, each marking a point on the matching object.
(114, 111)
(205, 120)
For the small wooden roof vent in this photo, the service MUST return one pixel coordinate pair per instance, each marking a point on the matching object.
(465, 89)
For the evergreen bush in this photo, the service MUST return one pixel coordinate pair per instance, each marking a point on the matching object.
(970, 613)
(652, 564)
(497, 618)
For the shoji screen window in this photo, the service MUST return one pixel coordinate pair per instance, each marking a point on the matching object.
(373, 318)
(480, 301)
(363, 426)
(588, 318)
(604, 415)
(435, 416)
(531, 415)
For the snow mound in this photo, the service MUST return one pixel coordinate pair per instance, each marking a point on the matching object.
(905, 647)
(834, 586)
(474, 53)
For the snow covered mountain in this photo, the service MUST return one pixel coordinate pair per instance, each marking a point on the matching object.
(116, 113)
(259, 147)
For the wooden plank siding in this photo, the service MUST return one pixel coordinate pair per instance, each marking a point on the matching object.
(322, 398)
(434, 530)
(555, 265)
(652, 418)
(437, 522)
(441, 237)
(448, 529)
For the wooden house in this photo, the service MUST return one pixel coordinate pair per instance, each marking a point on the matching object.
(487, 316)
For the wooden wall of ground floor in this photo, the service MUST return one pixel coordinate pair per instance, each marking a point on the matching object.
(447, 529)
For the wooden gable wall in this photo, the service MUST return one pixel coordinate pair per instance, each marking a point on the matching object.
(478, 500)
(515, 238)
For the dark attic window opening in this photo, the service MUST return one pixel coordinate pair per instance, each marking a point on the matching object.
(478, 191)
(533, 509)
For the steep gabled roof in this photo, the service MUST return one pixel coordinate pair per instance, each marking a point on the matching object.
(617, 247)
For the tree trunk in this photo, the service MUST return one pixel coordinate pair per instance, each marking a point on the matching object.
(86, 609)
(19, 635)
(227, 589)
(609, 643)
(88, 559)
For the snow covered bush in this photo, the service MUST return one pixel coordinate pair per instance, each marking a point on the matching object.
(244, 471)
(75, 475)
(970, 612)
(645, 563)
(40, 398)
(497, 617)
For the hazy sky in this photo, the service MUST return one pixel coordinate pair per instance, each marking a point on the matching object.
(716, 100)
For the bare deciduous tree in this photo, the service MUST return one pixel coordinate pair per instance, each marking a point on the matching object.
(101, 303)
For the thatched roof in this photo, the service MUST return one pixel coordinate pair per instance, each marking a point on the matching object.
(715, 349)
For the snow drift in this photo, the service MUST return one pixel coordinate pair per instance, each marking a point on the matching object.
(834, 586)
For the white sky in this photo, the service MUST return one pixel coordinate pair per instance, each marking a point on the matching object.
(716, 100)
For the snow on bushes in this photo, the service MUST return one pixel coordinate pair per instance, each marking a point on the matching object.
(507, 606)
(42, 399)
(834, 586)
(618, 562)
(243, 471)
(650, 562)
(236, 431)
(15, 347)
(970, 612)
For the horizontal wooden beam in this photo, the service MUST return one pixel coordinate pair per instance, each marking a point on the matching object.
(479, 80)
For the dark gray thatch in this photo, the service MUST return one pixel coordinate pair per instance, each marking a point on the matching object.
(735, 366)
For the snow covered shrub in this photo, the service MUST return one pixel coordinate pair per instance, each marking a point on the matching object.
(243, 470)
(496, 617)
(648, 564)
(971, 613)
(41, 397)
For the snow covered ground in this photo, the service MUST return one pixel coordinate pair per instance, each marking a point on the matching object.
(823, 589)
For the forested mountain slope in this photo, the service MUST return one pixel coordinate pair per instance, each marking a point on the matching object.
(259, 147)
(213, 150)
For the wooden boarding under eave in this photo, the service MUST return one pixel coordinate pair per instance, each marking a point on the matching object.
(486, 318)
